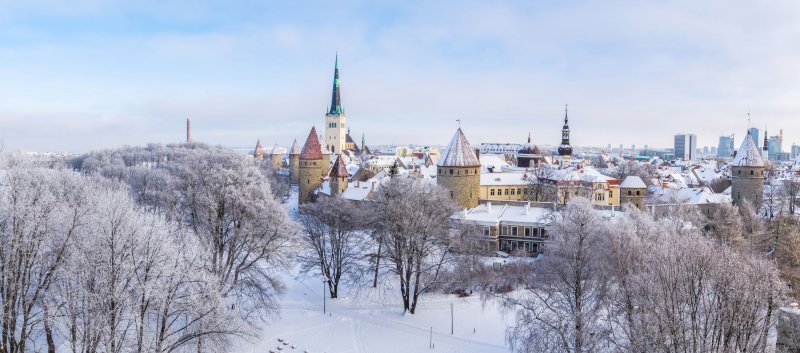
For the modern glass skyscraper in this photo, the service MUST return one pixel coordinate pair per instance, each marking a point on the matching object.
(685, 146)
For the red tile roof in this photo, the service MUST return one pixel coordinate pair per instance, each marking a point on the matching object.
(312, 149)
(339, 170)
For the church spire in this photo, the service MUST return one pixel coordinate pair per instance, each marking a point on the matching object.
(336, 100)
(565, 149)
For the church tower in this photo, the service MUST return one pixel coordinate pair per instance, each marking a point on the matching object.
(458, 170)
(312, 167)
(338, 177)
(335, 119)
(747, 174)
(565, 149)
(294, 163)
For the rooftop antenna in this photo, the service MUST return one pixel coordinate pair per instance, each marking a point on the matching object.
(748, 119)
(459, 123)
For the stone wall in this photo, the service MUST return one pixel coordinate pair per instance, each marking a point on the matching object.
(310, 178)
(464, 184)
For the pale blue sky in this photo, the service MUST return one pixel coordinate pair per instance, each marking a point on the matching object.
(88, 74)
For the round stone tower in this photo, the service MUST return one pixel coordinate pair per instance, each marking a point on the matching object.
(276, 157)
(311, 168)
(338, 177)
(459, 170)
(294, 163)
(747, 174)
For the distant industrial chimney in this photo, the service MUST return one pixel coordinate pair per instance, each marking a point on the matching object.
(188, 131)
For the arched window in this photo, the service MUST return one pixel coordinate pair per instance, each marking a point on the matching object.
(751, 172)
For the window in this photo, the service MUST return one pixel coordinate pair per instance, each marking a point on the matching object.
(487, 231)
(739, 172)
(504, 230)
(519, 191)
(610, 194)
(751, 172)
(506, 191)
(491, 192)
(638, 192)
(451, 172)
(451, 194)
(527, 231)
(512, 192)
(630, 193)
(514, 231)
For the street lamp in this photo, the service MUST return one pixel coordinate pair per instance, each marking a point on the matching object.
(325, 280)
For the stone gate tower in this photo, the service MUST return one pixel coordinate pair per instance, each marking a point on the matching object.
(747, 174)
(459, 171)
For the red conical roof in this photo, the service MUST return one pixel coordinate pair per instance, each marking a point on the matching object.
(339, 169)
(312, 149)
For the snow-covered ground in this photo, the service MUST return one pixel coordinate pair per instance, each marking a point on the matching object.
(372, 320)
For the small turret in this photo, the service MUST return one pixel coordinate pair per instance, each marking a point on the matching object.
(294, 163)
(276, 157)
(747, 170)
(338, 177)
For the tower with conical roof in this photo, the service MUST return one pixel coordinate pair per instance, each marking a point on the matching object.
(458, 171)
(294, 163)
(312, 167)
(335, 119)
(276, 157)
(565, 149)
(338, 177)
(747, 174)
(258, 153)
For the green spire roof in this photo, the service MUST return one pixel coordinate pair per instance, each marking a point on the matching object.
(336, 100)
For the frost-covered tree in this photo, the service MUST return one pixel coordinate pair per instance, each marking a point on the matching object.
(413, 216)
(559, 309)
(333, 240)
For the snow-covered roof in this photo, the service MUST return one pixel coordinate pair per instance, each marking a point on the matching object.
(510, 178)
(459, 153)
(633, 181)
(488, 214)
(295, 148)
(748, 154)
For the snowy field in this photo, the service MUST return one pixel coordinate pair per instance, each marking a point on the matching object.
(371, 320)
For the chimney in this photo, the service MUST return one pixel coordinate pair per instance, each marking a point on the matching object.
(527, 207)
(489, 207)
(188, 131)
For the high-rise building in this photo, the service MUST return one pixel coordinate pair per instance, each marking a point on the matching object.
(725, 148)
(775, 146)
(754, 134)
(795, 150)
(685, 146)
(335, 119)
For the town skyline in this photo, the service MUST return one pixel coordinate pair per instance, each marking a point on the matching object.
(97, 76)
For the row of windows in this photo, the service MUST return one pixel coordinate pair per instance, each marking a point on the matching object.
(515, 231)
(513, 245)
(739, 172)
(458, 171)
(333, 125)
(512, 191)
(638, 192)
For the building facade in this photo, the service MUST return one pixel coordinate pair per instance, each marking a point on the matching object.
(725, 148)
(685, 146)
